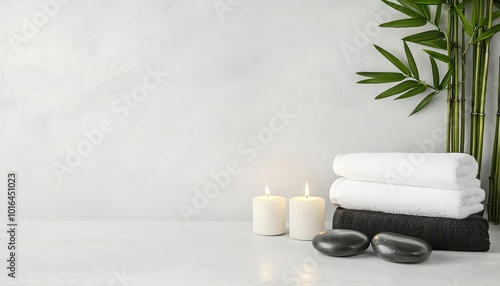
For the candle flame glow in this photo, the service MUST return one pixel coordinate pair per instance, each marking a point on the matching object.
(307, 190)
(267, 191)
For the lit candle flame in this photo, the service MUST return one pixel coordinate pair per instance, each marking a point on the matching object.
(307, 190)
(267, 191)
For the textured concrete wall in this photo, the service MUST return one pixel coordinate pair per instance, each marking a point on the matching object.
(172, 95)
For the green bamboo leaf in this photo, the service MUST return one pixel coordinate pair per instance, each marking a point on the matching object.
(437, 44)
(465, 23)
(424, 102)
(425, 10)
(485, 20)
(429, 2)
(381, 74)
(426, 36)
(381, 77)
(411, 61)
(405, 23)
(435, 72)
(446, 78)
(438, 56)
(475, 15)
(437, 19)
(463, 4)
(395, 61)
(399, 88)
(488, 33)
(379, 80)
(412, 92)
(410, 5)
(403, 9)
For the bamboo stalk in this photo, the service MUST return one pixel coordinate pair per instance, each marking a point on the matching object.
(456, 84)
(449, 97)
(476, 64)
(494, 190)
(484, 81)
(496, 194)
(476, 112)
(495, 208)
(495, 218)
(463, 90)
(493, 185)
(449, 101)
(492, 179)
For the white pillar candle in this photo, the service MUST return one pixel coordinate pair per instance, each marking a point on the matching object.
(269, 214)
(307, 216)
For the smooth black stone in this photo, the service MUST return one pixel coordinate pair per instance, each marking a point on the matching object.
(400, 248)
(341, 242)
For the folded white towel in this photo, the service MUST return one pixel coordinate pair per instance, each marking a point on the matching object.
(410, 200)
(433, 170)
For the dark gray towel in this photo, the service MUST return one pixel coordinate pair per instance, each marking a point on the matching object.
(469, 234)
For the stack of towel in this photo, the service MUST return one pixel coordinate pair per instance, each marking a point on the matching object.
(426, 195)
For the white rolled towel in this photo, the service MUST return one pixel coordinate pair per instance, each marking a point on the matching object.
(410, 200)
(433, 170)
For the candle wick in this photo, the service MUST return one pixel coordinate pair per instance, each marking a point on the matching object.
(307, 196)
(267, 195)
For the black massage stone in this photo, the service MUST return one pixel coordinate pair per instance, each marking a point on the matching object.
(400, 248)
(341, 242)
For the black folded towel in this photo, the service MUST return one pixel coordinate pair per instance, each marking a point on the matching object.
(469, 234)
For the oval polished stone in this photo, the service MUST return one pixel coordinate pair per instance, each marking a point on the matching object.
(400, 248)
(341, 242)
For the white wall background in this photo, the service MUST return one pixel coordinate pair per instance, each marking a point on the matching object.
(225, 79)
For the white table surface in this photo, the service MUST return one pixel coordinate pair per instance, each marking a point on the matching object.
(217, 253)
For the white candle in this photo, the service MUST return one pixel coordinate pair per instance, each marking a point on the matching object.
(269, 214)
(307, 216)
